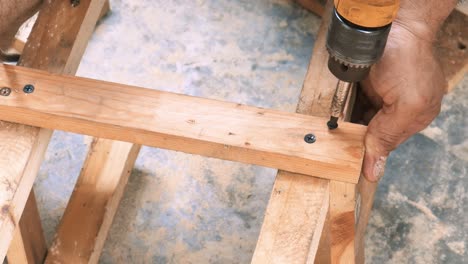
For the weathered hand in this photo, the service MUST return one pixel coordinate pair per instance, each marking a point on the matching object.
(406, 86)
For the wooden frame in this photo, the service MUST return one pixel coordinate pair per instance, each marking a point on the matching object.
(308, 219)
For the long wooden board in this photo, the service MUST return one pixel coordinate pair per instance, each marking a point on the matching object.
(22, 147)
(183, 123)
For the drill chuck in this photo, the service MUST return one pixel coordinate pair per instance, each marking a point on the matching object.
(353, 48)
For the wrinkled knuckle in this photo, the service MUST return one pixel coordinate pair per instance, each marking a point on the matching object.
(387, 140)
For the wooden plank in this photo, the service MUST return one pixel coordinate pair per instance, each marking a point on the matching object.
(451, 48)
(28, 245)
(315, 6)
(315, 99)
(83, 243)
(63, 38)
(93, 203)
(342, 204)
(297, 206)
(183, 123)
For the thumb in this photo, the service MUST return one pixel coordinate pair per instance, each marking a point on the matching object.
(388, 129)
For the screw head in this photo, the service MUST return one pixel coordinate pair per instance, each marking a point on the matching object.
(28, 88)
(310, 138)
(75, 3)
(5, 91)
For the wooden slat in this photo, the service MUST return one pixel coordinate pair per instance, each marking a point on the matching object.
(342, 205)
(83, 243)
(28, 245)
(315, 100)
(452, 48)
(56, 49)
(183, 123)
(296, 211)
(93, 204)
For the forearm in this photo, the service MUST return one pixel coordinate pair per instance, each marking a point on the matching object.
(12, 15)
(424, 17)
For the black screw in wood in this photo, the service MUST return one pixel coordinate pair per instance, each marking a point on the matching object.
(5, 91)
(28, 88)
(310, 138)
(75, 3)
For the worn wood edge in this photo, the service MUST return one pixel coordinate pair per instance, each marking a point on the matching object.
(342, 222)
(292, 219)
(28, 245)
(315, 6)
(93, 204)
(319, 228)
(309, 103)
(17, 204)
(39, 143)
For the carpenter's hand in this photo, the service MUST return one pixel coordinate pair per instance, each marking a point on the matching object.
(406, 87)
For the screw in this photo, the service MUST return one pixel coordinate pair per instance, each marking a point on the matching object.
(310, 138)
(5, 91)
(75, 3)
(28, 88)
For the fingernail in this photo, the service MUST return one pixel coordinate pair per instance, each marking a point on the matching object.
(379, 167)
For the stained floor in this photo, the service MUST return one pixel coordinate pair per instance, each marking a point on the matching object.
(181, 208)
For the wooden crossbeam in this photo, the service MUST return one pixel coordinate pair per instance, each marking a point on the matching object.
(183, 123)
(55, 49)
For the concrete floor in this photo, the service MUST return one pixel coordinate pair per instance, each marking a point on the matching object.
(180, 208)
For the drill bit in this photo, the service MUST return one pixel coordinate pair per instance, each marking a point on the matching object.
(338, 103)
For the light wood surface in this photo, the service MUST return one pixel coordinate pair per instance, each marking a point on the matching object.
(296, 208)
(342, 231)
(93, 204)
(22, 147)
(28, 245)
(107, 167)
(183, 123)
(315, 99)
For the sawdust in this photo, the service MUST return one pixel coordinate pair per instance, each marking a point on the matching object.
(457, 247)
(396, 197)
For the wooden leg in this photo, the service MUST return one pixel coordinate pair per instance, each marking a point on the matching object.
(342, 205)
(88, 217)
(22, 146)
(293, 221)
(28, 245)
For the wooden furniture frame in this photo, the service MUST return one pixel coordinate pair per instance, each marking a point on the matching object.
(319, 215)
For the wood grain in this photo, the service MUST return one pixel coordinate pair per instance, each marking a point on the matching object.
(295, 207)
(55, 44)
(451, 48)
(183, 123)
(93, 204)
(28, 245)
(315, 99)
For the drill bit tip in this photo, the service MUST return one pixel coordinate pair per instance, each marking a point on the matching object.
(332, 123)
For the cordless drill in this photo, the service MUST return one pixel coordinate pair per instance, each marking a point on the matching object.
(356, 40)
